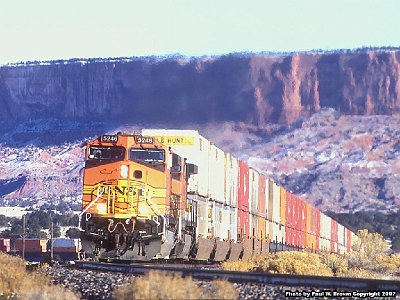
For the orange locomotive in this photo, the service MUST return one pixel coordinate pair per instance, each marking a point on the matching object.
(134, 199)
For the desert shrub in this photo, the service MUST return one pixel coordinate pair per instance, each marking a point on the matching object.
(303, 263)
(239, 265)
(357, 273)
(17, 283)
(286, 262)
(369, 244)
(337, 263)
(387, 264)
(157, 285)
(355, 260)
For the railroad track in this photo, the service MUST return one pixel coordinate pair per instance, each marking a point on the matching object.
(386, 288)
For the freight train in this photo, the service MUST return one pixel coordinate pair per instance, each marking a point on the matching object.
(173, 194)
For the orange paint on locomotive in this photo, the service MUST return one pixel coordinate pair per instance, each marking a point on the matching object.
(128, 176)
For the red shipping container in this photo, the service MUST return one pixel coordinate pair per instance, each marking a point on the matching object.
(348, 240)
(243, 187)
(334, 236)
(5, 245)
(288, 218)
(243, 223)
(303, 224)
(31, 245)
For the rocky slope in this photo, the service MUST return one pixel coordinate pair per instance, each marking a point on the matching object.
(323, 125)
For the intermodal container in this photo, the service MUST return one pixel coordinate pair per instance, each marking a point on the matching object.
(262, 231)
(310, 237)
(253, 225)
(221, 220)
(262, 196)
(317, 221)
(5, 245)
(334, 236)
(302, 223)
(202, 214)
(233, 217)
(191, 145)
(231, 180)
(288, 216)
(283, 207)
(273, 211)
(349, 235)
(341, 238)
(325, 237)
(61, 245)
(253, 192)
(216, 169)
(243, 187)
(243, 223)
(31, 245)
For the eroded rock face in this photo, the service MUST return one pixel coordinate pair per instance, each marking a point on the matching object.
(259, 89)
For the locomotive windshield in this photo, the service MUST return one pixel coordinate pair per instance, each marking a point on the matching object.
(102, 155)
(146, 155)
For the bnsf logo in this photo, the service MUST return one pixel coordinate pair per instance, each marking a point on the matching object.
(123, 190)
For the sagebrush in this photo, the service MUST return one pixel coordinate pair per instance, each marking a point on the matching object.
(158, 285)
(17, 283)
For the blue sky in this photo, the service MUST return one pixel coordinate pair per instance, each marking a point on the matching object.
(61, 29)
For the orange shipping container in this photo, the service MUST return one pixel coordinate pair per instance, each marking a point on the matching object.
(262, 230)
(282, 213)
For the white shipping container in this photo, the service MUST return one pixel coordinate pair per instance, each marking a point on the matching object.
(275, 209)
(216, 175)
(325, 227)
(277, 232)
(325, 231)
(202, 216)
(341, 237)
(221, 220)
(191, 145)
(253, 192)
(231, 180)
(253, 225)
(233, 216)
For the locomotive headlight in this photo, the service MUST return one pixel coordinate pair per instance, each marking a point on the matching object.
(143, 209)
(101, 208)
(124, 171)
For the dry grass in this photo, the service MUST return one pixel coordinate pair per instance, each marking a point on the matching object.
(17, 283)
(157, 285)
(357, 273)
(352, 264)
(287, 262)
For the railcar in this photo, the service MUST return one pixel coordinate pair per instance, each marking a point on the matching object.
(173, 194)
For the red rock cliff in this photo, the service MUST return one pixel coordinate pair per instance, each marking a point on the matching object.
(254, 88)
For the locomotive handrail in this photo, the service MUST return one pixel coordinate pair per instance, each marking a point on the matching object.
(157, 211)
(89, 205)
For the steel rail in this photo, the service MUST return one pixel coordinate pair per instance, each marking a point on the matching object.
(203, 273)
